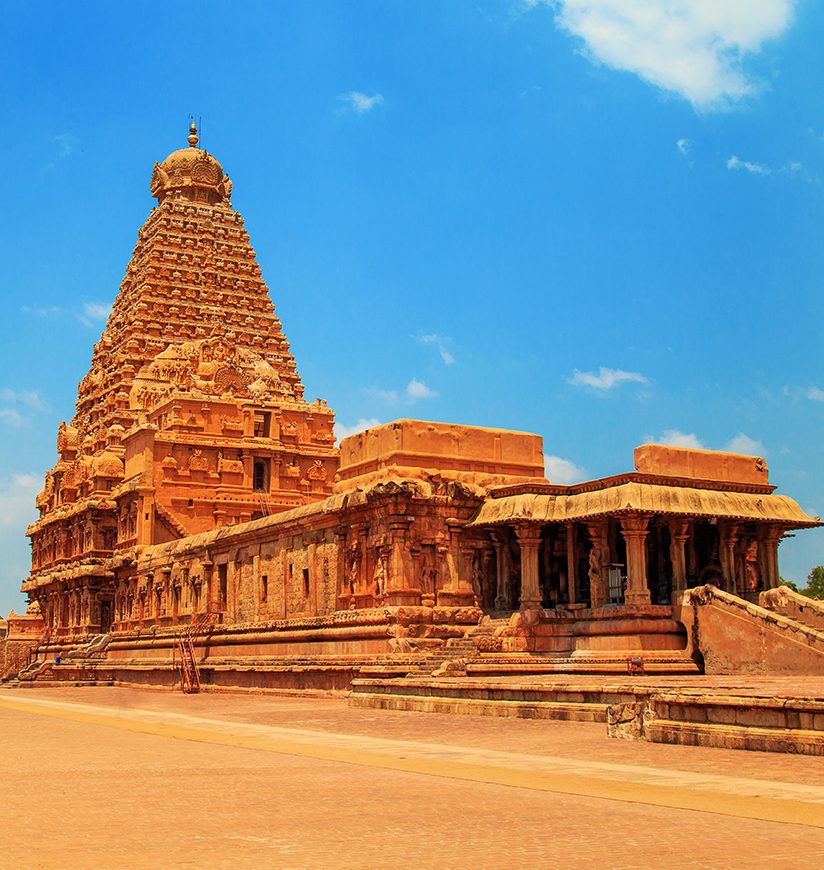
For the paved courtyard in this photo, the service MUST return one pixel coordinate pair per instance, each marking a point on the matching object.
(128, 778)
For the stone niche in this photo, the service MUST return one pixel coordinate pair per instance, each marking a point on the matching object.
(660, 459)
(411, 448)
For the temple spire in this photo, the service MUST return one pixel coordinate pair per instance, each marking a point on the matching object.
(193, 138)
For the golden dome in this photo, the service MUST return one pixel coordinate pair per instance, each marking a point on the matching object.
(191, 173)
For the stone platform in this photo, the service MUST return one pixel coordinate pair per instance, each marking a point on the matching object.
(766, 714)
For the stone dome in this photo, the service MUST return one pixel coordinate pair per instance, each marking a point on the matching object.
(107, 464)
(191, 172)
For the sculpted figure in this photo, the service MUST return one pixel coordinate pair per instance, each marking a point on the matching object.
(380, 578)
(594, 573)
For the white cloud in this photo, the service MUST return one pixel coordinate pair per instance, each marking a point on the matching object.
(605, 379)
(13, 400)
(560, 470)
(362, 425)
(94, 313)
(361, 103)
(12, 416)
(684, 146)
(744, 444)
(17, 499)
(693, 48)
(29, 398)
(675, 438)
(41, 311)
(753, 168)
(384, 395)
(416, 389)
(67, 143)
(66, 146)
(441, 342)
(816, 394)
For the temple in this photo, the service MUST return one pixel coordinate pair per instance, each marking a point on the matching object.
(198, 495)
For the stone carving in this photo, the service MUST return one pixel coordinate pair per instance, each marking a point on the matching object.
(229, 466)
(317, 471)
(198, 462)
(379, 577)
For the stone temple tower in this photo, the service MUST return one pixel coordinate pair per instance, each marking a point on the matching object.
(192, 414)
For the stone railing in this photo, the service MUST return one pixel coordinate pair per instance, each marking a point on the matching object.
(783, 600)
(709, 594)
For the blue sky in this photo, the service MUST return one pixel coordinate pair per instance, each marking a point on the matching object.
(598, 220)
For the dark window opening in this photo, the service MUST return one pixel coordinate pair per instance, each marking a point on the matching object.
(221, 577)
(264, 587)
(306, 582)
(259, 480)
(263, 422)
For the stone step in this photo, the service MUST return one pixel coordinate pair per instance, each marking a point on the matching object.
(473, 707)
(797, 741)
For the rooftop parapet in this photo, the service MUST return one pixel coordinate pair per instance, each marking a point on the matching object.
(472, 454)
(661, 459)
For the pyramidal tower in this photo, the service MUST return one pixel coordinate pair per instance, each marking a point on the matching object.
(192, 414)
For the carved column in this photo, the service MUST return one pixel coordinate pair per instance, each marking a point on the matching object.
(529, 539)
(343, 592)
(634, 530)
(728, 538)
(572, 560)
(400, 589)
(501, 573)
(679, 532)
(769, 537)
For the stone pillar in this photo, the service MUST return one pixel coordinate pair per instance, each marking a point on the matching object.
(529, 539)
(400, 585)
(501, 596)
(342, 578)
(572, 562)
(727, 539)
(769, 537)
(634, 530)
(679, 532)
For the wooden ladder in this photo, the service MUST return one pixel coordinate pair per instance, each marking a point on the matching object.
(187, 666)
(189, 671)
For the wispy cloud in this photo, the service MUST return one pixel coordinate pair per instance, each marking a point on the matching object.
(676, 438)
(17, 495)
(94, 313)
(693, 48)
(362, 425)
(29, 398)
(605, 379)
(42, 311)
(734, 162)
(66, 144)
(742, 443)
(361, 103)
(13, 404)
(816, 394)
(415, 390)
(90, 314)
(440, 342)
(564, 471)
(684, 146)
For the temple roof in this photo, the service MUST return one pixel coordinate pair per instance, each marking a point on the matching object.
(639, 497)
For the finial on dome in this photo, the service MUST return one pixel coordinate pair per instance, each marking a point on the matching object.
(193, 140)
